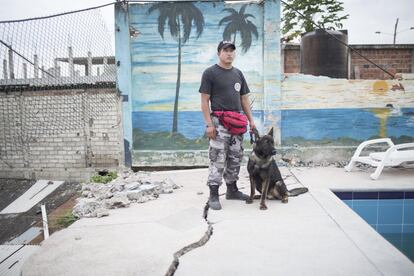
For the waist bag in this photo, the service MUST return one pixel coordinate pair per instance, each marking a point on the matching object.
(234, 122)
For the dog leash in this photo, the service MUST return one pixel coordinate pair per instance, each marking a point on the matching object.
(252, 141)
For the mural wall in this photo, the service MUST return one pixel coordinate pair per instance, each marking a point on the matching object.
(340, 112)
(163, 48)
(170, 45)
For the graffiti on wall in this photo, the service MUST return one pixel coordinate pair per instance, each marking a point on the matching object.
(171, 45)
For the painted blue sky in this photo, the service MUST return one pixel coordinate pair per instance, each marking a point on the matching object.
(154, 60)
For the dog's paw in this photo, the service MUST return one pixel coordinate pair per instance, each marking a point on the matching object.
(263, 207)
(285, 200)
(249, 201)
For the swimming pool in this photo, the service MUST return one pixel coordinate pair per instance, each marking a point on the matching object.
(390, 213)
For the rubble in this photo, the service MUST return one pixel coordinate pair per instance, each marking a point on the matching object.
(127, 188)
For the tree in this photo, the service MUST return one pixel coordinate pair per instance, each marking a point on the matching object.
(325, 13)
(238, 22)
(180, 18)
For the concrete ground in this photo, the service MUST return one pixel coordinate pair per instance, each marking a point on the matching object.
(314, 234)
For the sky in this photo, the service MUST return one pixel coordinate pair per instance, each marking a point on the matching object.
(366, 16)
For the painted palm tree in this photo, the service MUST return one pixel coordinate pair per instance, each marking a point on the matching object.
(180, 18)
(237, 22)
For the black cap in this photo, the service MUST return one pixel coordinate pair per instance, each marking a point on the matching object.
(225, 44)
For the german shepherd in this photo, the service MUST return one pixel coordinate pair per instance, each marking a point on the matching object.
(264, 173)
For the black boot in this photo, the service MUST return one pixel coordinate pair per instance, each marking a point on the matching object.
(213, 200)
(234, 193)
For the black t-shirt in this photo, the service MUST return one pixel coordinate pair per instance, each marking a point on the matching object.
(225, 86)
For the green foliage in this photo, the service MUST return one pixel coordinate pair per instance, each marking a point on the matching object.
(325, 13)
(104, 178)
(66, 220)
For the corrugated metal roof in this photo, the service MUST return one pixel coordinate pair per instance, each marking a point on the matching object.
(31, 197)
(26, 237)
(12, 258)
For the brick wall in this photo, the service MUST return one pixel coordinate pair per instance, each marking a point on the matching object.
(292, 58)
(61, 134)
(393, 58)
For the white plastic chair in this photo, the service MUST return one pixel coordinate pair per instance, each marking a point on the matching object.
(394, 156)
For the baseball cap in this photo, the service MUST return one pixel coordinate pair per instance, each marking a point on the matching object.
(225, 44)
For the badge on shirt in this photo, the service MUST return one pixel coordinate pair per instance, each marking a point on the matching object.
(237, 86)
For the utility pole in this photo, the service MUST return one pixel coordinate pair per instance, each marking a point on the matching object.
(395, 30)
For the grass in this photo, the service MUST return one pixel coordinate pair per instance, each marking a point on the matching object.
(105, 178)
(67, 219)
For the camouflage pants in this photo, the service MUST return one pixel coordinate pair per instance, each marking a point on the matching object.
(225, 154)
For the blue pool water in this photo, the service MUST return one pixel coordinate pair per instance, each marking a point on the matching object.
(390, 213)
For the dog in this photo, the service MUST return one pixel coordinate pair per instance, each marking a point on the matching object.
(264, 173)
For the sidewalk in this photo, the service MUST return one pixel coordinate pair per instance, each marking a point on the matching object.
(314, 234)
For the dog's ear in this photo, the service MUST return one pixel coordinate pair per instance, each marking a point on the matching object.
(270, 132)
(256, 134)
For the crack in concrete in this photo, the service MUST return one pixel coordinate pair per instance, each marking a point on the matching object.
(204, 239)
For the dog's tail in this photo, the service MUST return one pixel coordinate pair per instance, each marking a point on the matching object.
(298, 191)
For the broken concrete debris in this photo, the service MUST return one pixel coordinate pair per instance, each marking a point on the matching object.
(129, 187)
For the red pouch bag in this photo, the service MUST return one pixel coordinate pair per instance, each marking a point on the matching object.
(234, 122)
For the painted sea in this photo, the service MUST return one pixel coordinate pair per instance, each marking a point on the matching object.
(349, 125)
(358, 124)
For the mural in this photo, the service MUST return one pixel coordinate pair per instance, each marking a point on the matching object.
(164, 47)
(173, 44)
(324, 111)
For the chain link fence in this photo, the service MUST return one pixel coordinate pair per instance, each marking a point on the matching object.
(55, 73)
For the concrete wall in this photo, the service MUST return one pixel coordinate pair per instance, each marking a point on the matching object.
(59, 134)
(334, 115)
(317, 119)
(393, 58)
(291, 58)
(159, 75)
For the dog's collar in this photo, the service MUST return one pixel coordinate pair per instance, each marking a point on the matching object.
(260, 162)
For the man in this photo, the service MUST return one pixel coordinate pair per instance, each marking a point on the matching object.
(225, 88)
